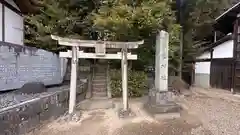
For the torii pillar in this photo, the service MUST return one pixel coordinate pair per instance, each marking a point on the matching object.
(161, 103)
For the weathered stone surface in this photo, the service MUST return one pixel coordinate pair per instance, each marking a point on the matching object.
(125, 113)
(75, 116)
(62, 96)
(156, 97)
(161, 103)
(169, 107)
(29, 125)
(33, 88)
(22, 64)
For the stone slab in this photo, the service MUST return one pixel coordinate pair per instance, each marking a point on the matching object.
(92, 104)
(164, 116)
(170, 107)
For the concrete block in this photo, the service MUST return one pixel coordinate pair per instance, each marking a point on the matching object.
(29, 110)
(23, 127)
(27, 117)
(62, 97)
(45, 115)
(5, 126)
(36, 106)
(13, 117)
(33, 122)
(45, 103)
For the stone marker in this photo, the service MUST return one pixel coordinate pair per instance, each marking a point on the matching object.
(160, 99)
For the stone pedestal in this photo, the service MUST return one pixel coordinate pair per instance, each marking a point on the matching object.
(161, 104)
(125, 113)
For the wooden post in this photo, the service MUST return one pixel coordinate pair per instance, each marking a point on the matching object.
(215, 36)
(73, 83)
(124, 79)
(181, 54)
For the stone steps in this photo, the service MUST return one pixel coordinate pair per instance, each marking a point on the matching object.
(99, 84)
(99, 78)
(99, 89)
(93, 104)
(99, 94)
(100, 73)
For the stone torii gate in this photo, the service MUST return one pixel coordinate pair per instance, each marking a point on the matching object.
(100, 53)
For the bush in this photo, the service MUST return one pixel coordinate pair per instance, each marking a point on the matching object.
(137, 83)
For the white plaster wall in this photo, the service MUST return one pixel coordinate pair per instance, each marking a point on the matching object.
(202, 67)
(1, 22)
(206, 55)
(202, 74)
(225, 50)
(13, 27)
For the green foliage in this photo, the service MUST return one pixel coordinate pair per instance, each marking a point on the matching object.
(122, 20)
(203, 16)
(128, 21)
(137, 83)
(198, 19)
(57, 17)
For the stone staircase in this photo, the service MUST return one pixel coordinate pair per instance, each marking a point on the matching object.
(99, 83)
(99, 98)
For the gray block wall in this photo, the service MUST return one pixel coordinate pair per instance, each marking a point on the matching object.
(21, 64)
(31, 115)
(202, 80)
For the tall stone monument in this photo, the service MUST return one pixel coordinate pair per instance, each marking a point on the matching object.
(160, 99)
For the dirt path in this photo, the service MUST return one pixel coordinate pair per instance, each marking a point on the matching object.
(106, 122)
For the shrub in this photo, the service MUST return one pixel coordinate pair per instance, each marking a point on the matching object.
(137, 83)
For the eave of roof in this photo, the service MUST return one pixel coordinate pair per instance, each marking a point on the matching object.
(219, 42)
(224, 22)
(229, 10)
(210, 48)
(28, 6)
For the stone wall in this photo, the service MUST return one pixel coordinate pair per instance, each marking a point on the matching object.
(21, 64)
(27, 116)
(84, 69)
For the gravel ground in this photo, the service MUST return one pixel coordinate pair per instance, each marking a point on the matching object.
(107, 122)
(221, 117)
